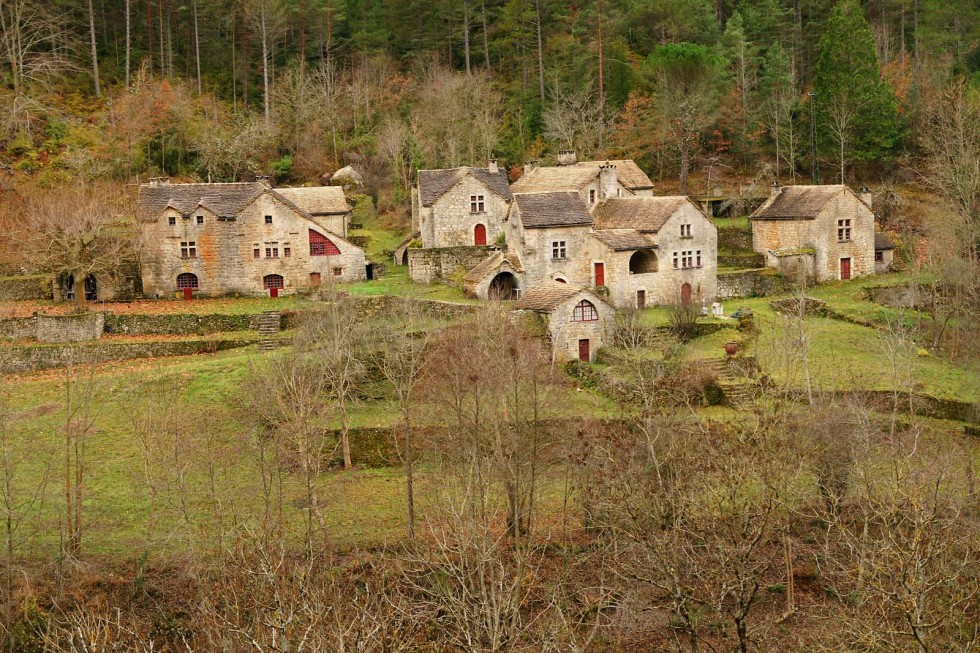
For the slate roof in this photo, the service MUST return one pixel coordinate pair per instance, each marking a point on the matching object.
(555, 178)
(317, 200)
(627, 172)
(558, 209)
(622, 240)
(646, 214)
(549, 295)
(797, 202)
(433, 184)
(491, 264)
(882, 241)
(224, 200)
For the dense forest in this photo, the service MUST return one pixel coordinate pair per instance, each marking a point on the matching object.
(219, 89)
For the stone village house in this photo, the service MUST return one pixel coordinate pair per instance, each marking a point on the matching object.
(582, 225)
(828, 231)
(243, 239)
(578, 321)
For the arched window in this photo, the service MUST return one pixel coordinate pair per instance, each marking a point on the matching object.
(187, 280)
(271, 281)
(585, 312)
(320, 245)
(480, 234)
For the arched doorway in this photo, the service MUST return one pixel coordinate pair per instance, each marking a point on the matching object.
(273, 283)
(686, 294)
(187, 283)
(643, 261)
(90, 288)
(480, 234)
(504, 286)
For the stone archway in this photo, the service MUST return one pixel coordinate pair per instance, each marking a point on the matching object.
(504, 286)
(643, 261)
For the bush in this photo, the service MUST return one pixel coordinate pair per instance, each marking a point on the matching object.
(683, 321)
(21, 145)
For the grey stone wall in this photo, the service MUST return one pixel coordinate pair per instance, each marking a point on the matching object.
(18, 328)
(750, 283)
(24, 288)
(69, 328)
(443, 263)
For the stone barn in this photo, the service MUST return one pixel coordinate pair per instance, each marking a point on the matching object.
(833, 224)
(884, 253)
(242, 239)
(578, 321)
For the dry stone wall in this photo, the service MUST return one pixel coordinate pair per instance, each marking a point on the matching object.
(74, 327)
(443, 263)
(25, 288)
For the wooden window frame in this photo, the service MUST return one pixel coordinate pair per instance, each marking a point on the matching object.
(200, 219)
(172, 221)
(844, 230)
(187, 280)
(585, 311)
(478, 204)
(559, 250)
(268, 219)
(188, 249)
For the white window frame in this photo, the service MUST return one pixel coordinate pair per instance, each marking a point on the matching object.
(478, 204)
(559, 250)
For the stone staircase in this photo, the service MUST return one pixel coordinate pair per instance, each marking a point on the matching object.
(739, 390)
(270, 323)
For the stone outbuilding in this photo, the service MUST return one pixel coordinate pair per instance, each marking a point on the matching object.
(578, 321)
(460, 207)
(884, 253)
(500, 276)
(833, 224)
(242, 239)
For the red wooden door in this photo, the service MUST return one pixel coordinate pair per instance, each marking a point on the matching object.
(188, 293)
(480, 235)
(273, 292)
(641, 299)
(583, 350)
(600, 274)
(845, 269)
(686, 294)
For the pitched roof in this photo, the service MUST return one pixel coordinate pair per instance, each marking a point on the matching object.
(882, 241)
(797, 202)
(491, 264)
(224, 200)
(554, 178)
(627, 172)
(317, 200)
(645, 214)
(433, 184)
(559, 209)
(549, 295)
(621, 240)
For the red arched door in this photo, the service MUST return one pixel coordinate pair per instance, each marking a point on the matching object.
(480, 235)
(686, 294)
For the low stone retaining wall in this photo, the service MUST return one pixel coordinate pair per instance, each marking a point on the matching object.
(25, 288)
(742, 261)
(44, 357)
(179, 324)
(18, 328)
(73, 327)
(370, 306)
(443, 263)
(761, 282)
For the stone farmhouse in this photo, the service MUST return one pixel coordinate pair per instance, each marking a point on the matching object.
(460, 207)
(639, 249)
(826, 231)
(243, 239)
(578, 321)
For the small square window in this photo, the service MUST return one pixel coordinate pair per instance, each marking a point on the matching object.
(200, 219)
(268, 252)
(880, 257)
(172, 221)
(338, 272)
(477, 204)
(256, 253)
(268, 219)
(188, 249)
(558, 249)
(286, 252)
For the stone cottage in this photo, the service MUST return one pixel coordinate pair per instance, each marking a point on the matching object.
(653, 250)
(242, 238)
(884, 253)
(593, 181)
(460, 207)
(826, 231)
(578, 321)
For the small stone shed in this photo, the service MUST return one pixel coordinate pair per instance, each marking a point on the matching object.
(577, 320)
(884, 253)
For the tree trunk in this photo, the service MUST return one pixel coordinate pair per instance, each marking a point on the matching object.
(95, 53)
(409, 477)
(128, 42)
(685, 149)
(602, 89)
(486, 38)
(537, 13)
(265, 67)
(197, 46)
(466, 34)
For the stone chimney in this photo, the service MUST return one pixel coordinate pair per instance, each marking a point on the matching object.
(265, 180)
(608, 181)
(492, 166)
(159, 181)
(530, 165)
(867, 196)
(774, 190)
(567, 157)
